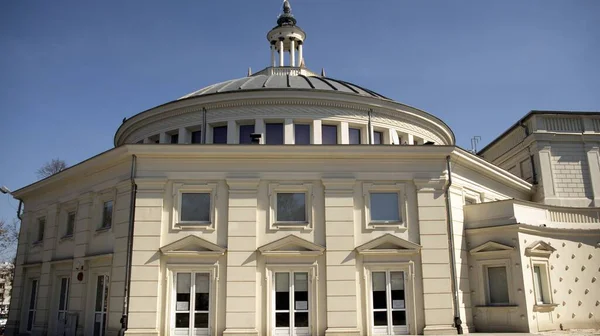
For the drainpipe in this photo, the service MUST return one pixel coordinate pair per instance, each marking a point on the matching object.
(19, 214)
(127, 286)
(454, 282)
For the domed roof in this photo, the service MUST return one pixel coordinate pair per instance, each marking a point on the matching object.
(275, 78)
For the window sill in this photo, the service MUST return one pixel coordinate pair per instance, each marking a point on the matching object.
(499, 307)
(544, 307)
(37, 243)
(202, 226)
(292, 226)
(102, 230)
(66, 238)
(388, 225)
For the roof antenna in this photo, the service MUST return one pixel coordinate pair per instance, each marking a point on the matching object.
(323, 72)
(249, 71)
(474, 141)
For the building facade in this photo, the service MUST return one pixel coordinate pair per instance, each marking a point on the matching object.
(290, 203)
(6, 279)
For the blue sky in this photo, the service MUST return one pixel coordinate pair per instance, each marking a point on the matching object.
(71, 70)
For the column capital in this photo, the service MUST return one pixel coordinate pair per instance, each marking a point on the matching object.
(300, 42)
(281, 38)
(338, 183)
(273, 42)
(243, 184)
(429, 184)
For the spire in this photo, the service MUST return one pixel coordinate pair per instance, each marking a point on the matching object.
(286, 18)
(249, 71)
(323, 72)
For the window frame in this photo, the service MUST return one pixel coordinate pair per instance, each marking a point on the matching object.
(310, 131)
(400, 189)
(484, 282)
(66, 209)
(301, 187)
(212, 133)
(103, 226)
(39, 234)
(362, 137)
(545, 285)
(337, 132)
(28, 308)
(181, 188)
(239, 126)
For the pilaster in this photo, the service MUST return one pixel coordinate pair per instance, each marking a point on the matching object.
(184, 135)
(593, 157)
(435, 263)
(78, 288)
(545, 171)
(340, 267)
(242, 310)
(232, 134)
(259, 127)
(344, 133)
(316, 132)
(288, 132)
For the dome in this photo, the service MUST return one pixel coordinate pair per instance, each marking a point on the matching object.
(286, 78)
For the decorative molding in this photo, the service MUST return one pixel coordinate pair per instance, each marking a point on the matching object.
(192, 246)
(381, 246)
(539, 249)
(290, 246)
(490, 249)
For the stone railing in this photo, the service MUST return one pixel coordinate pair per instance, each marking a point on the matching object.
(579, 216)
(284, 71)
(562, 123)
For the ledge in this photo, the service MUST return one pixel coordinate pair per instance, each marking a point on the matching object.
(102, 230)
(66, 238)
(546, 307)
(503, 307)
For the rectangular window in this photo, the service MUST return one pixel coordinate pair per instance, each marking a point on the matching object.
(245, 131)
(497, 285)
(174, 138)
(41, 228)
(195, 207)
(384, 207)
(302, 134)
(70, 224)
(63, 300)
(388, 303)
(291, 207)
(329, 134)
(274, 134)
(377, 138)
(32, 304)
(220, 135)
(291, 303)
(540, 278)
(197, 137)
(107, 212)
(354, 136)
(191, 311)
(101, 305)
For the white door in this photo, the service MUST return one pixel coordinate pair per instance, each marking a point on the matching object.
(63, 306)
(388, 303)
(191, 312)
(291, 315)
(101, 305)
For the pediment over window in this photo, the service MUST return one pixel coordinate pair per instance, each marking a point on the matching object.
(388, 244)
(491, 248)
(291, 246)
(539, 249)
(192, 246)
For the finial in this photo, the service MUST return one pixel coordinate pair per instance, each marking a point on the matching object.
(323, 72)
(286, 7)
(249, 71)
(302, 64)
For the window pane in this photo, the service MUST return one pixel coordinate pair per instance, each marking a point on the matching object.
(301, 292)
(291, 207)
(380, 318)
(282, 291)
(70, 224)
(329, 134)
(274, 134)
(62, 301)
(41, 228)
(537, 281)
(379, 296)
(397, 284)
(245, 131)
(220, 135)
(301, 320)
(384, 207)
(399, 318)
(282, 319)
(33, 294)
(498, 285)
(30, 317)
(183, 291)
(182, 320)
(107, 214)
(377, 138)
(202, 292)
(302, 134)
(99, 292)
(354, 134)
(197, 137)
(195, 207)
(174, 138)
(201, 320)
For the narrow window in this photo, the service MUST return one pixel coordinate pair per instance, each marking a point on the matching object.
(377, 138)
(175, 138)
(354, 136)
(107, 212)
(220, 135)
(197, 137)
(63, 300)
(291, 207)
(41, 228)
(384, 207)
(195, 207)
(101, 305)
(302, 134)
(497, 285)
(329, 134)
(32, 304)
(274, 134)
(245, 131)
(70, 224)
(539, 282)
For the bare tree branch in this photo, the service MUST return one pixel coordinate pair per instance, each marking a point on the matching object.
(50, 168)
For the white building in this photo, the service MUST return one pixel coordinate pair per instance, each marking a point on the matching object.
(6, 277)
(353, 215)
